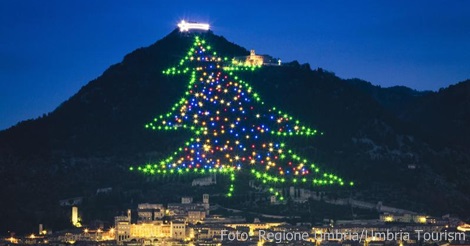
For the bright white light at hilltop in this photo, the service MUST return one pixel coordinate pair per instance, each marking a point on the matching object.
(186, 27)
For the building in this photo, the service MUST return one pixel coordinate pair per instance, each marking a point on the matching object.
(252, 60)
(104, 190)
(195, 216)
(209, 232)
(157, 222)
(75, 220)
(256, 226)
(255, 60)
(210, 180)
(404, 218)
(186, 200)
(122, 225)
(151, 230)
(178, 230)
(205, 203)
(150, 212)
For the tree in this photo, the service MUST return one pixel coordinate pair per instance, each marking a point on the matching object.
(232, 129)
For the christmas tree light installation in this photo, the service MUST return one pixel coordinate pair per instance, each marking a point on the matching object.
(233, 131)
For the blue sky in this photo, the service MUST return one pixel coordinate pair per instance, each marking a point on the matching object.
(50, 49)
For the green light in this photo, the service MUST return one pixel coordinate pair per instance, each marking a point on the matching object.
(199, 126)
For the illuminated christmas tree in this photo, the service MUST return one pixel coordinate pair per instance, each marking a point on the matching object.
(233, 131)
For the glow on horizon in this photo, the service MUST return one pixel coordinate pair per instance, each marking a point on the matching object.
(185, 26)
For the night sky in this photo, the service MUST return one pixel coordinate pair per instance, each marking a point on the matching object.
(50, 49)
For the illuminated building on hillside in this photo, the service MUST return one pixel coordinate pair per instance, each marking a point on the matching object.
(75, 219)
(255, 60)
(251, 60)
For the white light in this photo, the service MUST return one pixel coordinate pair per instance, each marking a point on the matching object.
(185, 27)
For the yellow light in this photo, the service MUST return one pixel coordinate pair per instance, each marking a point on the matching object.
(388, 218)
(422, 219)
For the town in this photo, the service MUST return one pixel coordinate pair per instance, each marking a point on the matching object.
(191, 222)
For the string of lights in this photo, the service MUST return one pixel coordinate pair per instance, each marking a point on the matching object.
(232, 128)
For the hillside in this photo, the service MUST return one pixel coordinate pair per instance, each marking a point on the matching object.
(371, 135)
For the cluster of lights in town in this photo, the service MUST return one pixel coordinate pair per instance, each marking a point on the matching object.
(232, 128)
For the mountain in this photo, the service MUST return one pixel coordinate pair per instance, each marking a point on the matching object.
(442, 117)
(396, 98)
(371, 135)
